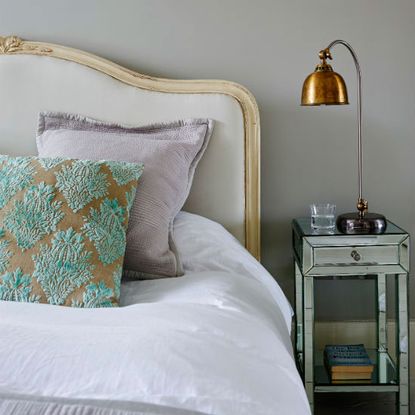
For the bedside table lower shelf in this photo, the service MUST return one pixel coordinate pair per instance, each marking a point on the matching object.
(384, 377)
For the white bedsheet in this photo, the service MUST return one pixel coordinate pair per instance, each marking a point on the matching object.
(215, 340)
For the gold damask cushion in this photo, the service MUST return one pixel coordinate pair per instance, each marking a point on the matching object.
(63, 229)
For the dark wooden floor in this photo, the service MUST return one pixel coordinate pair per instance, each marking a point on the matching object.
(359, 403)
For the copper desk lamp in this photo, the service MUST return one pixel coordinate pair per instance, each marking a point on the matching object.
(326, 87)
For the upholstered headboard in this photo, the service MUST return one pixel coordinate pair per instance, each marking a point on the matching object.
(38, 76)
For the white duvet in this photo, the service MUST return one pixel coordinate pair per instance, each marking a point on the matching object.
(215, 340)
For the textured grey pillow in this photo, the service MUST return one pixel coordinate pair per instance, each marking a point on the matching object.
(170, 153)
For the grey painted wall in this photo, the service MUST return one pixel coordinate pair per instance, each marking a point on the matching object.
(308, 154)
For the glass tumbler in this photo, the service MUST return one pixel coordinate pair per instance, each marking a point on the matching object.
(323, 216)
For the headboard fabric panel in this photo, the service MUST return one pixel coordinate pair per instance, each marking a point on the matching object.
(226, 184)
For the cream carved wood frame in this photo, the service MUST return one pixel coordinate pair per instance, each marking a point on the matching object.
(13, 45)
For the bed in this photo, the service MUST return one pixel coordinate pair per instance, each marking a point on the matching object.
(214, 341)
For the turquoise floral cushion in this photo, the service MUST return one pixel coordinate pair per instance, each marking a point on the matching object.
(63, 226)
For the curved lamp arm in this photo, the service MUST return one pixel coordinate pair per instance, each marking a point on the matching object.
(362, 204)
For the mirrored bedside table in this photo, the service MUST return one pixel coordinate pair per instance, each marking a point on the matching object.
(325, 255)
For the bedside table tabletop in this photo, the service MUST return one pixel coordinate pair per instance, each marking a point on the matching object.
(325, 255)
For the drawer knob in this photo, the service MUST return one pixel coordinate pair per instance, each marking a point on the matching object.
(355, 255)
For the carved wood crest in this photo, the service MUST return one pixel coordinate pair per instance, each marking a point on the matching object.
(13, 44)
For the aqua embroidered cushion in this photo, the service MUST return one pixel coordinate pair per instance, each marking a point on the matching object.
(63, 229)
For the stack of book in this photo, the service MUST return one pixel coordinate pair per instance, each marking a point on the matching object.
(348, 363)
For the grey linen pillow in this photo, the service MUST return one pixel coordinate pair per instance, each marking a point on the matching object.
(170, 153)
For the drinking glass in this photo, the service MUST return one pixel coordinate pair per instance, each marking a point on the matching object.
(323, 216)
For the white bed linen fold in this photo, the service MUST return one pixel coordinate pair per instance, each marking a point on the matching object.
(205, 245)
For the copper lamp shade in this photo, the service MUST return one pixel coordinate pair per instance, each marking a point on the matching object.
(324, 87)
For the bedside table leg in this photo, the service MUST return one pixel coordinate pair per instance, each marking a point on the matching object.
(402, 340)
(382, 340)
(308, 339)
(299, 317)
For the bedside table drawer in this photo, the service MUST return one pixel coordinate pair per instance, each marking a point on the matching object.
(349, 255)
(358, 255)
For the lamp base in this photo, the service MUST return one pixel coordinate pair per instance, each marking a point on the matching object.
(352, 223)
